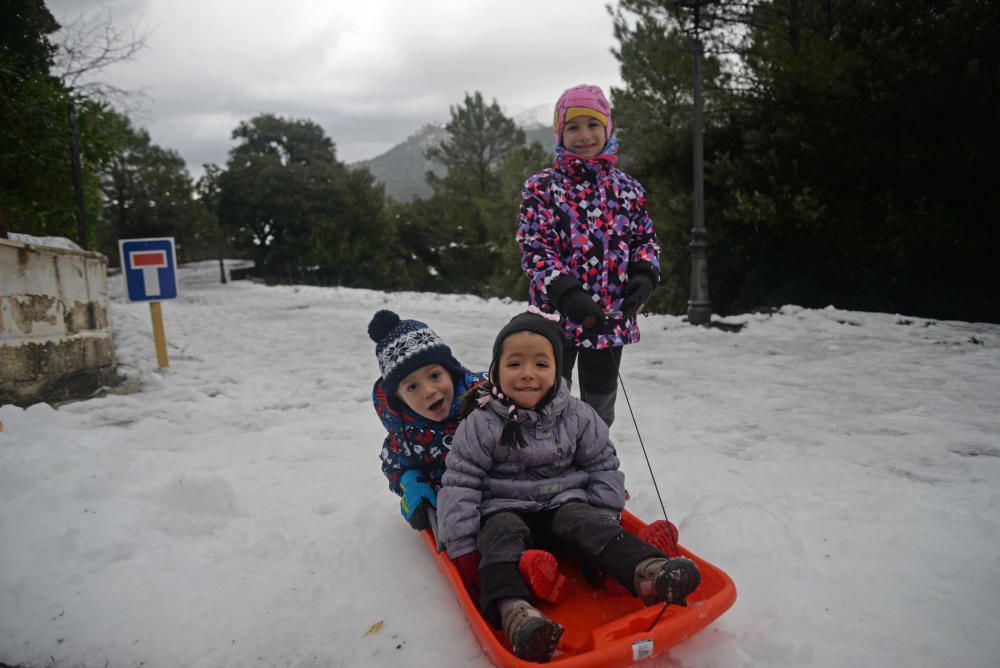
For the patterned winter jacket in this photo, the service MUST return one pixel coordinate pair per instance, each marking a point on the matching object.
(414, 442)
(569, 457)
(584, 223)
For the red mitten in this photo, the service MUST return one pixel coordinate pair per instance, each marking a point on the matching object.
(541, 571)
(662, 535)
(468, 568)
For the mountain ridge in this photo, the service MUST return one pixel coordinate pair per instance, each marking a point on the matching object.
(401, 169)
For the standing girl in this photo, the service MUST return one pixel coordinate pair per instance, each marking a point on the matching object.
(588, 246)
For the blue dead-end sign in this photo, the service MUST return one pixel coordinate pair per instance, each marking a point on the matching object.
(149, 269)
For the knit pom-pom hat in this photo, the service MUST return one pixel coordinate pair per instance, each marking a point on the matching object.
(582, 100)
(403, 346)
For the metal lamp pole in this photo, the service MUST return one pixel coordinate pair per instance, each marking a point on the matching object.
(699, 308)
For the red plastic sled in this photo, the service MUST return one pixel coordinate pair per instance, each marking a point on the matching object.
(602, 629)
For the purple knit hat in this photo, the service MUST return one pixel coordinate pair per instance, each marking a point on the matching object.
(582, 100)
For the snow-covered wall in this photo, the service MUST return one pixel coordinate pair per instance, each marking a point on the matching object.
(55, 335)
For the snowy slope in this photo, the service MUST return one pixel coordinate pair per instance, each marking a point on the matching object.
(843, 467)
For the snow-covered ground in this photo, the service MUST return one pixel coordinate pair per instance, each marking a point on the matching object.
(842, 467)
(51, 242)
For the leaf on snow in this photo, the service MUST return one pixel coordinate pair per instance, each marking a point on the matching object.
(374, 628)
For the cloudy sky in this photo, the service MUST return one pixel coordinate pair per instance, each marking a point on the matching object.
(370, 72)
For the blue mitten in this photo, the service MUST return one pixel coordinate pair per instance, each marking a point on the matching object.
(417, 495)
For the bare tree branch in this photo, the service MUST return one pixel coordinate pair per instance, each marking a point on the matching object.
(88, 45)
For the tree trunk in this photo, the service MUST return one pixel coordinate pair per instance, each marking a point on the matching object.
(74, 151)
(221, 245)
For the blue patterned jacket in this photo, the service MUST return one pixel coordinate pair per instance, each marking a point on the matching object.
(414, 442)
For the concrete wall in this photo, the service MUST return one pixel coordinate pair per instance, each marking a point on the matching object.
(55, 332)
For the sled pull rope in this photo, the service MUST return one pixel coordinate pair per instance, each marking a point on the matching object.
(658, 615)
(643, 445)
(651, 475)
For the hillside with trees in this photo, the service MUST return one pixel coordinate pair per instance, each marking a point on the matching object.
(849, 150)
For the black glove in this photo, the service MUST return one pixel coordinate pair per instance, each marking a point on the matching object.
(578, 306)
(637, 292)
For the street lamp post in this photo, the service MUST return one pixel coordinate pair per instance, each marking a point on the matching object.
(699, 308)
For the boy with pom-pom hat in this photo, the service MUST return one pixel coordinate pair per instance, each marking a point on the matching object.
(417, 398)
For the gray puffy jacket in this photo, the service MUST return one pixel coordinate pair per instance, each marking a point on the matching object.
(569, 458)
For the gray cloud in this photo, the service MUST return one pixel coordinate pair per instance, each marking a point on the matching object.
(370, 72)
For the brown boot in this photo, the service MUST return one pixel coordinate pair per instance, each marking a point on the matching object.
(532, 636)
(660, 580)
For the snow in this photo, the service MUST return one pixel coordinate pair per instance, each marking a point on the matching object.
(842, 467)
(49, 242)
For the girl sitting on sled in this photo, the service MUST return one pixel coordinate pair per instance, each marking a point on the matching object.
(534, 466)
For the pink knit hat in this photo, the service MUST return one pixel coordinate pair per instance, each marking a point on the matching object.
(582, 100)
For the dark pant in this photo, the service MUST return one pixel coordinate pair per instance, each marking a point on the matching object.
(598, 374)
(577, 529)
